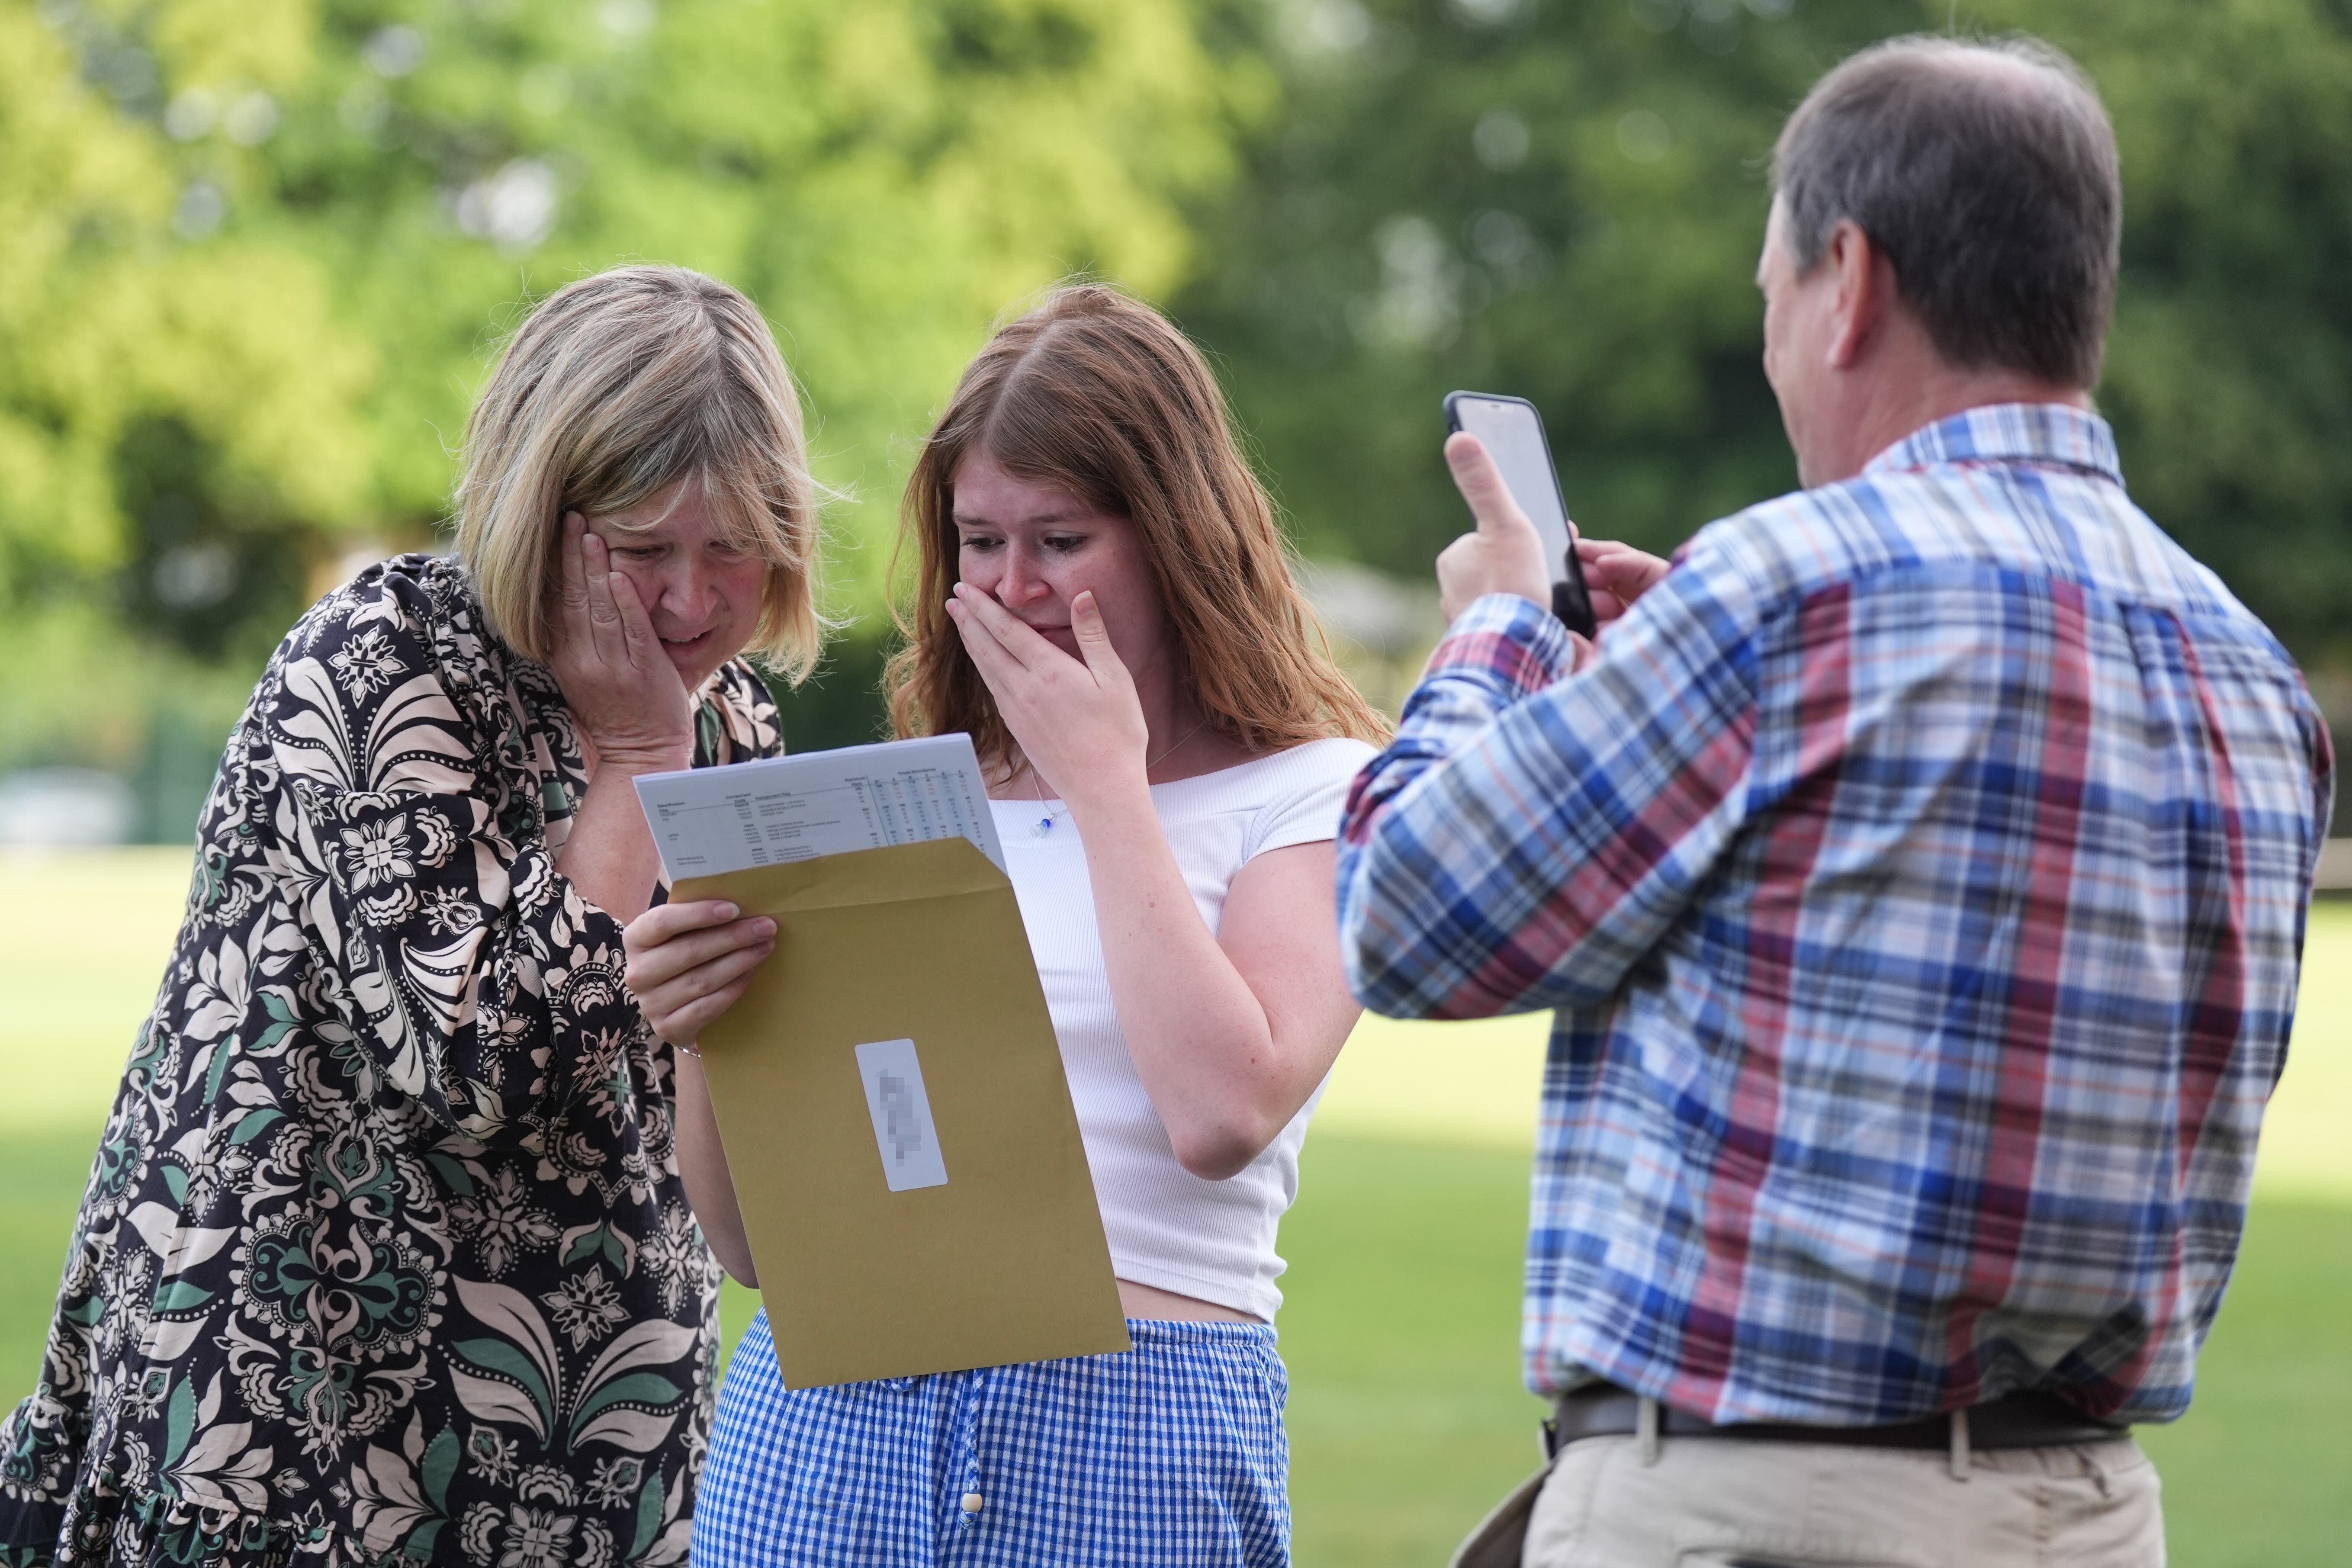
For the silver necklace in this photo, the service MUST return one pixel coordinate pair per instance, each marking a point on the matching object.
(1052, 814)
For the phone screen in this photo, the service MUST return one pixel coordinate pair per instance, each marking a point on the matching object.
(1512, 433)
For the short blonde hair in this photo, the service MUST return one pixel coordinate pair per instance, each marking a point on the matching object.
(614, 388)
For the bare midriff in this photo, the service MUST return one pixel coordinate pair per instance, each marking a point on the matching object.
(1151, 1301)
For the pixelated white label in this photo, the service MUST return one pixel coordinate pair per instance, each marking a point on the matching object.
(902, 1115)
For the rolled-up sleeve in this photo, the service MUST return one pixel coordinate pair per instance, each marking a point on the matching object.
(1531, 832)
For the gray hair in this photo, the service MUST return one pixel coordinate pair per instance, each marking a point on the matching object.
(1987, 173)
(614, 388)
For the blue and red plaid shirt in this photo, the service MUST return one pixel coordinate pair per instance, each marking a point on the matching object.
(1919, 872)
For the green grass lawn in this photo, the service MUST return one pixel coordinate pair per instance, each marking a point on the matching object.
(1407, 1421)
(1406, 1418)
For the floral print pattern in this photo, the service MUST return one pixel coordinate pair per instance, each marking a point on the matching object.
(383, 1256)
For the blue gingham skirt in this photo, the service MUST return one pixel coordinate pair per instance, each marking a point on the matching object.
(1172, 1454)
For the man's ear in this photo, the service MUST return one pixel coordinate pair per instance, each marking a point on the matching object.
(1865, 283)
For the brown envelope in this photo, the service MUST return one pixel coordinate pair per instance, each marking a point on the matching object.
(1003, 1262)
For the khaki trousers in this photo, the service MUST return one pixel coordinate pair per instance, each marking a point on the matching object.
(1720, 1503)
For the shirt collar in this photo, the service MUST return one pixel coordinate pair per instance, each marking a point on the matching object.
(2009, 433)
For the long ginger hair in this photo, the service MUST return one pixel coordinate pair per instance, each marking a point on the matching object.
(1099, 395)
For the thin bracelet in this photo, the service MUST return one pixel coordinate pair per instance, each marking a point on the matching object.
(693, 1051)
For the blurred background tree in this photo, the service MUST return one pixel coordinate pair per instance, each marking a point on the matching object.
(254, 258)
(1566, 201)
(172, 416)
(260, 255)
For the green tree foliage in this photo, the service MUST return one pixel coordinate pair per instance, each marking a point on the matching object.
(2230, 370)
(254, 257)
(884, 178)
(1566, 200)
(120, 346)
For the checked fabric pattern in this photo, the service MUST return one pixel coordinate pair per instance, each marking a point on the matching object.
(1172, 1454)
(1918, 872)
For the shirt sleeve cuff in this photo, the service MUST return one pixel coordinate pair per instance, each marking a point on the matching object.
(1504, 637)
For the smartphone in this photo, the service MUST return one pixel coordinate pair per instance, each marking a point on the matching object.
(1512, 433)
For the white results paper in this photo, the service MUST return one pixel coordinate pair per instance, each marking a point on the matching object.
(710, 820)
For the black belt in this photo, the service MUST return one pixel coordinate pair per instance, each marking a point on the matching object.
(2029, 1418)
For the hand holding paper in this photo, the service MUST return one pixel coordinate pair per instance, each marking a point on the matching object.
(690, 963)
(879, 1105)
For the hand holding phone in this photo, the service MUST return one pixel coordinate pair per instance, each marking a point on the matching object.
(1512, 432)
(1503, 554)
(1615, 574)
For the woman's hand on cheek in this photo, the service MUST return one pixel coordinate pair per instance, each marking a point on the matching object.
(624, 691)
(1078, 722)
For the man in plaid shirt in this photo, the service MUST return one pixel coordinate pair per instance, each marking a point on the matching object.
(1919, 870)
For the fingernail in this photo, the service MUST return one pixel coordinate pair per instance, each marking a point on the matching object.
(726, 911)
(764, 926)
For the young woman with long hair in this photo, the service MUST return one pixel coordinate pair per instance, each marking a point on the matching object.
(1106, 606)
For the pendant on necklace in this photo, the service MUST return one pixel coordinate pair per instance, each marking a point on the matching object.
(1044, 826)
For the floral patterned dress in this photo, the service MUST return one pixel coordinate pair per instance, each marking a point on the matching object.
(384, 1256)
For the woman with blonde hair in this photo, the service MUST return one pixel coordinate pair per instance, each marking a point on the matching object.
(1106, 606)
(384, 1257)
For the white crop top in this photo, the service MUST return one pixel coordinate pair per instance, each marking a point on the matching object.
(1167, 1228)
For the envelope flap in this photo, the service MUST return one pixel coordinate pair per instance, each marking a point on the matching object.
(895, 873)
